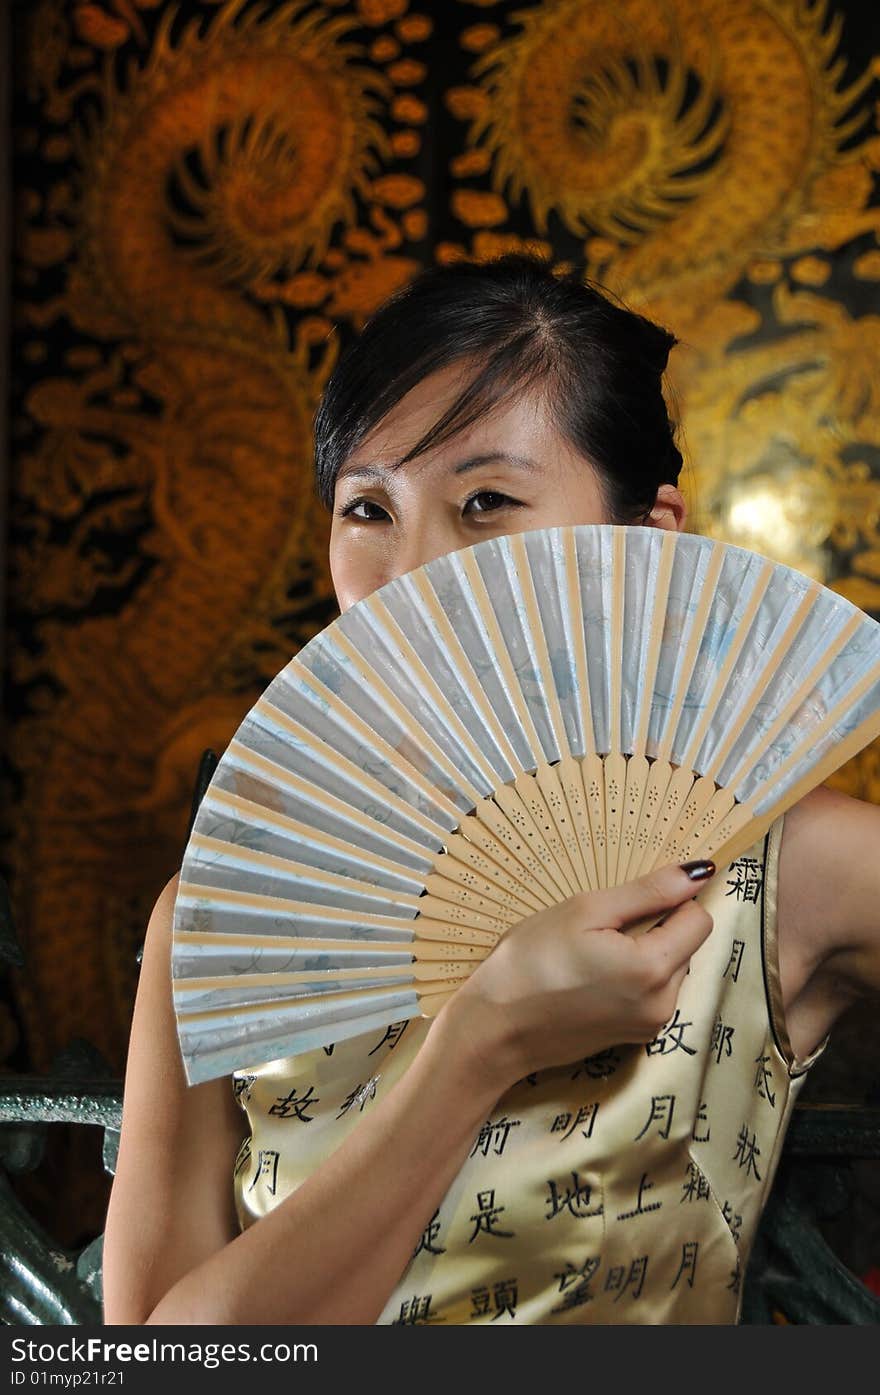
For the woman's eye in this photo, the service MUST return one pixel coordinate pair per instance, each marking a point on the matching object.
(349, 510)
(487, 501)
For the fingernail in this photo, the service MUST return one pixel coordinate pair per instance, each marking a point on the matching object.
(698, 871)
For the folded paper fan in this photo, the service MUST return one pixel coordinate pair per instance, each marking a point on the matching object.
(535, 715)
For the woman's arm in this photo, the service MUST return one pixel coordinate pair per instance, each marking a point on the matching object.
(563, 983)
(829, 911)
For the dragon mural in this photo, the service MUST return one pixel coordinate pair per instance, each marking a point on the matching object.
(213, 195)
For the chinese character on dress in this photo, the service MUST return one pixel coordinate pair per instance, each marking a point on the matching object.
(359, 1096)
(242, 1157)
(735, 961)
(670, 1039)
(696, 1188)
(429, 1235)
(748, 878)
(618, 1280)
(494, 1135)
(486, 1218)
(702, 1118)
(722, 1040)
(599, 1066)
(688, 1265)
(733, 1219)
(241, 1088)
(574, 1284)
(416, 1311)
(764, 1080)
(267, 1167)
(392, 1036)
(662, 1107)
(293, 1106)
(640, 1208)
(567, 1123)
(747, 1151)
(575, 1198)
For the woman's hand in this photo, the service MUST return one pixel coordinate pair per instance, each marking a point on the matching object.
(565, 983)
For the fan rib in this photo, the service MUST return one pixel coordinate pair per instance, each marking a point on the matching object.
(395, 951)
(454, 870)
(614, 765)
(578, 632)
(502, 654)
(419, 735)
(637, 774)
(373, 742)
(579, 834)
(473, 858)
(697, 800)
(552, 792)
(691, 651)
(813, 737)
(488, 828)
(510, 802)
(659, 603)
(206, 1058)
(360, 780)
(655, 791)
(669, 786)
(618, 572)
(580, 802)
(466, 929)
(593, 776)
(754, 825)
(444, 709)
(323, 1002)
(703, 831)
(249, 814)
(554, 783)
(530, 790)
(678, 789)
(254, 858)
(767, 738)
(538, 644)
(442, 888)
(376, 975)
(530, 801)
(759, 682)
(741, 634)
(637, 768)
(471, 684)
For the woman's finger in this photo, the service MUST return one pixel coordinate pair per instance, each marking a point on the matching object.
(651, 895)
(670, 946)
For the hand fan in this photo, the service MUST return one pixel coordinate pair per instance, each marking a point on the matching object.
(535, 715)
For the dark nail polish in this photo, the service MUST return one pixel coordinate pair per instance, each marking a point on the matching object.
(698, 871)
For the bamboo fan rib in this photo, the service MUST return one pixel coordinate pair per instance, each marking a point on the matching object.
(534, 716)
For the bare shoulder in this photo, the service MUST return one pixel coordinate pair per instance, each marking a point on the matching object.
(172, 1201)
(829, 890)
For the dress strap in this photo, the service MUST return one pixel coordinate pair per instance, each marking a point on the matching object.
(770, 954)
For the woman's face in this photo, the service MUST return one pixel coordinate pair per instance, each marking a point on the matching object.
(510, 472)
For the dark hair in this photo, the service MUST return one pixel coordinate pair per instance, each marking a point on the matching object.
(599, 365)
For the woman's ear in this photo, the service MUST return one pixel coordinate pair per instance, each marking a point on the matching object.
(669, 511)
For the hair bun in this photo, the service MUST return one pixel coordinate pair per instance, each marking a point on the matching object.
(655, 344)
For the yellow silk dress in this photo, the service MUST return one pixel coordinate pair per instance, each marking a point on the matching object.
(625, 1187)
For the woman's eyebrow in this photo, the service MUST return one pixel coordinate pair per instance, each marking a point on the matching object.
(523, 462)
(377, 472)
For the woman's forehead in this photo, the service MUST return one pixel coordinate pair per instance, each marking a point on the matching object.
(518, 414)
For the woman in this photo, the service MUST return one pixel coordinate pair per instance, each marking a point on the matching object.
(589, 1128)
